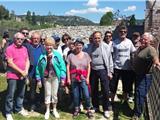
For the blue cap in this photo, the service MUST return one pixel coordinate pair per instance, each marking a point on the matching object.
(56, 38)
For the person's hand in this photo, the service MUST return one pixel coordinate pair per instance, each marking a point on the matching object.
(39, 84)
(87, 81)
(24, 73)
(62, 83)
(110, 76)
(69, 81)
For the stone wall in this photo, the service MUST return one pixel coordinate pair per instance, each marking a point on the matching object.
(76, 31)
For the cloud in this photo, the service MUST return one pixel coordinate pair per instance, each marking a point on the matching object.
(92, 3)
(89, 10)
(130, 8)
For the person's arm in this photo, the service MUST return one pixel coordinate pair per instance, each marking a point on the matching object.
(88, 73)
(156, 62)
(68, 74)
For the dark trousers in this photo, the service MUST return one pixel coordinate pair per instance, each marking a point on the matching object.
(95, 76)
(34, 99)
(127, 80)
(15, 89)
(142, 85)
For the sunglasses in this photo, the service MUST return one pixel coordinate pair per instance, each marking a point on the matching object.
(25, 33)
(20, 39)
(122, 31)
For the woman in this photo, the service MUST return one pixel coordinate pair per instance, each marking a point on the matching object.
(78, 72)
(50, 69)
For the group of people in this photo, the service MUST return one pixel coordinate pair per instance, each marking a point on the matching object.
(42, 62)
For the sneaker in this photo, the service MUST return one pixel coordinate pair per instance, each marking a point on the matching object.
(76, 113)
(81, 107)
(46, 116)
(55, 113)
(106, 114)
(90, 114)
(23, 112)
(94, 110)
(9, 117)
(130, 99)
(33, 107)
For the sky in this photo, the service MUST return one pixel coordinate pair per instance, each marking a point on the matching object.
(90, 9)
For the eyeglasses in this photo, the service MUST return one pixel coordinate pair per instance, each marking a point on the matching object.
(25, 33)
(108, 36)
(123, 31)
(20, 39)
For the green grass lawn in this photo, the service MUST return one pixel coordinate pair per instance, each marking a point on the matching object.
(121, 111)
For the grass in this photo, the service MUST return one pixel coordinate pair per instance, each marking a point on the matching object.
(121, 110)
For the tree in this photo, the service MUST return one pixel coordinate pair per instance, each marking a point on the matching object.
(107, 19)
(4, 13)
(12, 15)
(132, 21)
(28, 16)
(33, 18)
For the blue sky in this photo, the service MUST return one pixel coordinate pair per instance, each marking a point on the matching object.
(91, 9)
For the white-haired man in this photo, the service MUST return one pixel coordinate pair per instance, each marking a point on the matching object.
(17, 70)
(146, 56)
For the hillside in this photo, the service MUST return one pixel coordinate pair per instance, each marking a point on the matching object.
(61, 20)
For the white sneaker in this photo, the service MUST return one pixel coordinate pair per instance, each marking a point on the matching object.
(46, 116)
(130, 99)
(106, 114)
(81, 107)
(23, 112)
(55, 113)
(9, 117)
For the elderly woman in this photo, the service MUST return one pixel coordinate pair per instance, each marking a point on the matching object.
(78, 72)
(51, 70)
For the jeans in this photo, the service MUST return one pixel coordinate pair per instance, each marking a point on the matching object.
(95, 76)
(76, 87)
(142, 85)
(15, 89)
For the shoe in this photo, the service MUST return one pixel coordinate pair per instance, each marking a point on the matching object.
(94, 110)
(23, 112)
(106, 114)
(81, 107)
(90, 114)
(9, 117)
(46, 116)
(130, 99)
(33, 107)
(55, 113)
(76, 113)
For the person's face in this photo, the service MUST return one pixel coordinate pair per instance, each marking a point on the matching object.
(66, 40)
(97, 39)
(49, 48)
(57, 44)
(78, 47)
(43, 40)
(19, 40)
(123, 33)
(144, 40)
(108, 37)
(72, 47)
(25, 33)
(36, 39)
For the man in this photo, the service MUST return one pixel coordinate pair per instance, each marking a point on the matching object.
(35, 49)
(101, 68)
(122, 50)
(146, 56)
(25, 32)
(18, 65)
